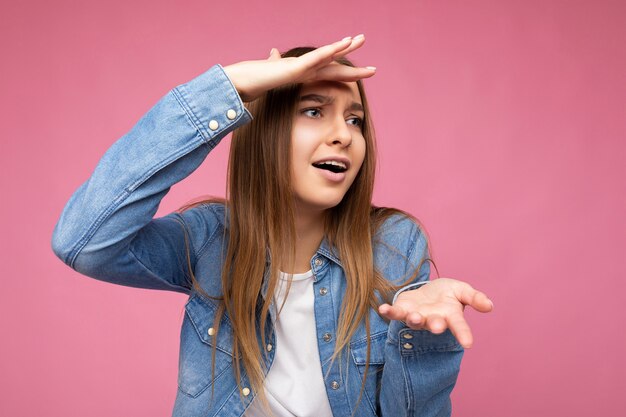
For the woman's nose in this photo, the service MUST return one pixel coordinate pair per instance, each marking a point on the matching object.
(340, 133)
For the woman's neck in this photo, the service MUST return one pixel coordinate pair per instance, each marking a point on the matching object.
(309, 235)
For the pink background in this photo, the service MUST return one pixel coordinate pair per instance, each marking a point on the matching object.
(501, 125)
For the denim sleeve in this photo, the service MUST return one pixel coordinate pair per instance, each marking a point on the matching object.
(107, 230)
(421, 368)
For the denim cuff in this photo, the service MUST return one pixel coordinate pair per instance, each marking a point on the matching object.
(414, 342)
(213, 104)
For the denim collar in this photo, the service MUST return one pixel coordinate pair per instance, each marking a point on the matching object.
(325, 249)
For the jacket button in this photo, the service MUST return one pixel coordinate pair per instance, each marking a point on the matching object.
(231, 114)
(269, 347)
(213, 125)
(318, 262)
(323, 291)
(327, 337)
(245, 391)
(407, 336)
(211, 331)
(334, 385)
(407, 346)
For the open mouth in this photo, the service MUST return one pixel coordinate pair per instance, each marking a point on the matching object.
(332, 166)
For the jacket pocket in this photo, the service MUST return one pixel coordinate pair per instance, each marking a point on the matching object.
(195, 371)
(375, 363)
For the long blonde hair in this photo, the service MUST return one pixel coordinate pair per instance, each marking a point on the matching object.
(260, 225)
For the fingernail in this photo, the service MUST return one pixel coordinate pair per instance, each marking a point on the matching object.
(346, 38)
(359, 36)
(371, 68)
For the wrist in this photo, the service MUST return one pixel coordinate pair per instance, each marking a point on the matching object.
(231, 73)
(410, 287)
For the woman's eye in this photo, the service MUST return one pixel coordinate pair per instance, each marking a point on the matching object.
(312, 112)
(356, 121)
(316, 113)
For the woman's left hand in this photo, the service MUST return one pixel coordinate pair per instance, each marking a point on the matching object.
(438, 306)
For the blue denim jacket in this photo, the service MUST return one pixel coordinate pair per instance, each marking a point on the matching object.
(107, 231)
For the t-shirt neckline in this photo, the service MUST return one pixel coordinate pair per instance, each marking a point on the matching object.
(297, 277)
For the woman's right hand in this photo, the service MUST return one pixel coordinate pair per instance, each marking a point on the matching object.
(253, 78)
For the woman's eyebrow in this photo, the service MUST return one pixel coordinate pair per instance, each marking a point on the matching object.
(318, 98)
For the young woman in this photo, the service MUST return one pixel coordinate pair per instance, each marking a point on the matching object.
(305, 300)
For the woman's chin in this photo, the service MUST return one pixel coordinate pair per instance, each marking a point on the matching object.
(317, 204)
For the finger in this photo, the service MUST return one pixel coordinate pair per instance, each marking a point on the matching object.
(414, 320)
(461, 330)
(344, 73)
(324, 54)
(435, 324)
(475, 299)
(392, 312)
(356, 43)
(274, 55)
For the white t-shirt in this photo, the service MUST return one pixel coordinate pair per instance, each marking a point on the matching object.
(294, 386)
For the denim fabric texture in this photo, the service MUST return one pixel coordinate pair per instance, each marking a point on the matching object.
(108, 231)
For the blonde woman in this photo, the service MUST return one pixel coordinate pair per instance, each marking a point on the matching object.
(304, 299)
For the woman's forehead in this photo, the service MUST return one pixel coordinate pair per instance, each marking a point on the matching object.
(332, 89)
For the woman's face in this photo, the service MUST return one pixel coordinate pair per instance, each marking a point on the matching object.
(328, 146)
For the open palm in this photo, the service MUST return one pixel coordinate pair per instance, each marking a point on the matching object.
(437, 306)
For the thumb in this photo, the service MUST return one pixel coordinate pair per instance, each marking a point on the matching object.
(274, 55)
(476, 299)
